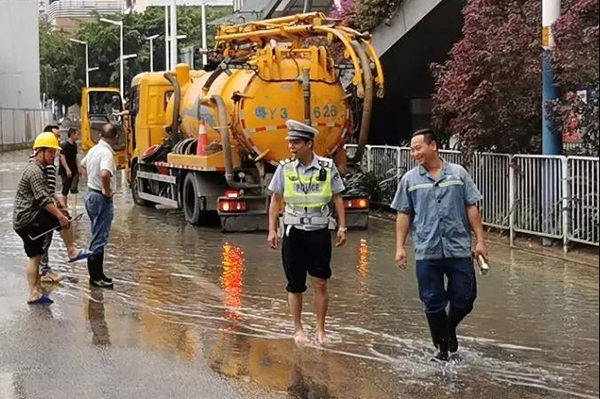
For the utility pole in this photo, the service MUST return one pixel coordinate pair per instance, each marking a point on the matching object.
(151, 40)
(173, 33)
(551, 137)
(167, 66)
(204, 45)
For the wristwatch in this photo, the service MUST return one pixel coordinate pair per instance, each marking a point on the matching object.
(342, 229)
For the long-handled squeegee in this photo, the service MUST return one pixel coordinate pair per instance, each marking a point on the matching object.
(76, 218)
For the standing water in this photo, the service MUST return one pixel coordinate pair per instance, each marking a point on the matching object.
(198, 295)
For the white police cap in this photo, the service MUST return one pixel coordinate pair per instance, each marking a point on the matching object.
(298, 130)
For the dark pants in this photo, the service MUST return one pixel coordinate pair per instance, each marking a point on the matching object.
(306, 252)
(461, 290)
(100, 211)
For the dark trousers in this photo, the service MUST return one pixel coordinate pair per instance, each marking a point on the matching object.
(461, 290)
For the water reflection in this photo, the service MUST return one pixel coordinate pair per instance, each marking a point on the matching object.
(363, 266)
(231, 280)
(97, 318)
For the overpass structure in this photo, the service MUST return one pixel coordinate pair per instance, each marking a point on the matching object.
(420, 33)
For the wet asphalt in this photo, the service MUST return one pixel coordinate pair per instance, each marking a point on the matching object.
(199, 314)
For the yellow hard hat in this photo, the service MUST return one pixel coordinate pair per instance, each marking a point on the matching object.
(46, 140)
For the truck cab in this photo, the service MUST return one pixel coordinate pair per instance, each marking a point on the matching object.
(99, 106)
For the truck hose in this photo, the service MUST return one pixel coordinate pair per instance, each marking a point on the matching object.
(367, 110)
(174, 136)
(224, 132)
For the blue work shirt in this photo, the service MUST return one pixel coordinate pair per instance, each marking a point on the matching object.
(440, 225)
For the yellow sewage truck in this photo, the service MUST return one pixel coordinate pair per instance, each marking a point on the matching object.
(210, 141)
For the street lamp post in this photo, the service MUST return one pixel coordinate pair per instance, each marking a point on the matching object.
(121, 74)
(87, 67)
(151, 40)
(173, 33)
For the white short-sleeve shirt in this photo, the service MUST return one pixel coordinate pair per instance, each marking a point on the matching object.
(100, 157)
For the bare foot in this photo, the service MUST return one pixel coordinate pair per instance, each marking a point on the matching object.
(300, 338)
(51, 278)
(321, 337)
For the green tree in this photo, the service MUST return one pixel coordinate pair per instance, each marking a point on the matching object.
(63, 63)
(103, 40)
(60, 77)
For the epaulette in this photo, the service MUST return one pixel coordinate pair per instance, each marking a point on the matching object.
(287, 161)
(326, 163)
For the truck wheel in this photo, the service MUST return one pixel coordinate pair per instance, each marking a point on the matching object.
(192, 204)
(135, 189)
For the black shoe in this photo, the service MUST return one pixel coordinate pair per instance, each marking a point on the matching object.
(438, 324)
(454, 318)
(101, 284)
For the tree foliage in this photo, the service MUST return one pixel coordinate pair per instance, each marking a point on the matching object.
(63, 62)
(489, 92)
(365, 15)
(576, 58)
(60, 77)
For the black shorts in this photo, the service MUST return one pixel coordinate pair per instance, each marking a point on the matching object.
(70, 184)
(306, 252)
(43, 222)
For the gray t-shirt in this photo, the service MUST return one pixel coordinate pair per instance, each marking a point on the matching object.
(277, 186)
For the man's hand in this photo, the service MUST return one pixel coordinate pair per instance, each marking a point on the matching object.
(107, 193)
(61, 203)
(69, 173)
(273, 239)
(481, 249)
(340, 241)
(401, 258)
(64, 221)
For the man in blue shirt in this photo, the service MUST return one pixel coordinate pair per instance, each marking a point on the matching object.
(437, 203)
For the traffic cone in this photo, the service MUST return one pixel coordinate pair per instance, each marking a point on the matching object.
(202, 139)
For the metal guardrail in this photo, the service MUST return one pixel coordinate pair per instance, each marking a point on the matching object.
(21, 126)
(546, 196)
(583, 182)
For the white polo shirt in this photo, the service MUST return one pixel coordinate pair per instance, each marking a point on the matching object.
(100, 157)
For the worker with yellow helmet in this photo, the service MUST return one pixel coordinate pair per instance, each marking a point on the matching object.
(35, 214)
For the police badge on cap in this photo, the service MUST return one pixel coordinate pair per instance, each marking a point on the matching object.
(298, 130)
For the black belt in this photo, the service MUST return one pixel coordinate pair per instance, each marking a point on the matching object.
(99, 192)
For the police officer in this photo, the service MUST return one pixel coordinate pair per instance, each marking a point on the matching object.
(306, 184)
(437, 200)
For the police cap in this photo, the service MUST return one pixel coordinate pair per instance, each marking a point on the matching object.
(298, 130)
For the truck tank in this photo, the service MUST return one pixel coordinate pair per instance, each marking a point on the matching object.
(258, 107)
(271, 72)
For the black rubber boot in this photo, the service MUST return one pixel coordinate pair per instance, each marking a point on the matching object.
(102, 275)
(454, 319)
(96, 272)
(438, 324)
(92, 267)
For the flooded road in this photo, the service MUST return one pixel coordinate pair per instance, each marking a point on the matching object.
(196, 313)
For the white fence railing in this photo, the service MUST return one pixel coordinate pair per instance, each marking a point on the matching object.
(547, 196)
(21, 126)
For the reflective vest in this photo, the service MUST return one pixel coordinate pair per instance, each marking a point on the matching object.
(306, 192)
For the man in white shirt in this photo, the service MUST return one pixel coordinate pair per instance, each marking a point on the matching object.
(99, 165)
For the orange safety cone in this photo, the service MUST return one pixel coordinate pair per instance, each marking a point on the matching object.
(202, 139)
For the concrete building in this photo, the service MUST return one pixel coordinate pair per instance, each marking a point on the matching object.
(69, 14)
(141, 5)
(21, 116)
